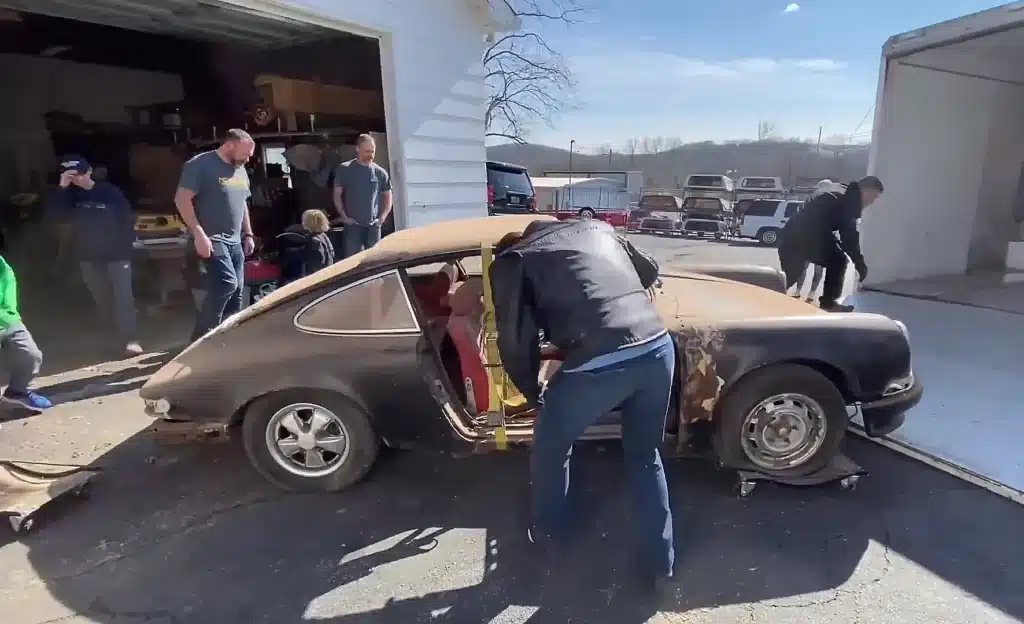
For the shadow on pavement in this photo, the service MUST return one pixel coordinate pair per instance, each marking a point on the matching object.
(195, 536)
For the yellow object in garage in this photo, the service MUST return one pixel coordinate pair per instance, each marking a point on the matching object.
(159, 224)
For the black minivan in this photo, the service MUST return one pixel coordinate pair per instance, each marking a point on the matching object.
(509, 189)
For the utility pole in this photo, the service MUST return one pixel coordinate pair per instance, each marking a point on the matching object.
(610, 159)
(818, 151)
(572, 146)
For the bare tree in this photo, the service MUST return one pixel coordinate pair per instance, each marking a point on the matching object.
(765, 130)
(631, 148)
(652, 145)
(527, 80)
(672, 143)
(603, 149)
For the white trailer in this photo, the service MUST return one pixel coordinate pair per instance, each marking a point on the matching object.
(948, 145)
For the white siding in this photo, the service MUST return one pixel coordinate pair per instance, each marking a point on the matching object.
(431, 52)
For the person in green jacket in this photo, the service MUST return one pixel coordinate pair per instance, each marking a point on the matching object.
(18, 347)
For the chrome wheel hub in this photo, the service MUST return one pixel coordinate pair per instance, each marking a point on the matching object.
(783, 431)
(307, 440)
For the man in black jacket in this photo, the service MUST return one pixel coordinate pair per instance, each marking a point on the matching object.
(810, 237)
(587, 289)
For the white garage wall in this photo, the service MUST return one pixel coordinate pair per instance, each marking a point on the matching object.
(31, 86)
(930, 155)
(435, 99)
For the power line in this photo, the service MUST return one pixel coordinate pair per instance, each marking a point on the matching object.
(863, 119)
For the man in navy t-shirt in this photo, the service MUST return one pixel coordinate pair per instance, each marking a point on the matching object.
(103, 230)
(212, 198)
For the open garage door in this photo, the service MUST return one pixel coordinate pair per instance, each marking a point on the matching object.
(137, 87)
(209, 20)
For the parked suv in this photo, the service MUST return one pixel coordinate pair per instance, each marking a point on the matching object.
(509, 189)
(764, 219)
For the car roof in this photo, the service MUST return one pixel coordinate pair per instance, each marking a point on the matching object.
(504, 165)
(425, 241)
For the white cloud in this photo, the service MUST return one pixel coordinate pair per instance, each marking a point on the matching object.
(649, 69)
(792, 7)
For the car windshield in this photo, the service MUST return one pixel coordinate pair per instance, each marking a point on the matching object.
(506, 180)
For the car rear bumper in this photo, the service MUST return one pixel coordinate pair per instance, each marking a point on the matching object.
(885, 415)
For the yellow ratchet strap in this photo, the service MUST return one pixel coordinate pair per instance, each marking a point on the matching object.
(503, 392)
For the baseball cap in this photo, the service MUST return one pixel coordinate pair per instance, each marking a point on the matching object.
(75, 163)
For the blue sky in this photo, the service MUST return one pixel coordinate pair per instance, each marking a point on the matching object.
(710, 71)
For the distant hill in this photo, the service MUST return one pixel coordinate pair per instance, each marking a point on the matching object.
(788, 160)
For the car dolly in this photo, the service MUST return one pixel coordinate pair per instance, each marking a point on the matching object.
(24, 490)
(840, 469)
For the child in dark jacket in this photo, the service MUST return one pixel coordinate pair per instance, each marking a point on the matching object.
(319, 252)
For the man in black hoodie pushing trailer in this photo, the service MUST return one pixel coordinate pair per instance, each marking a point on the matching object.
(810, 237)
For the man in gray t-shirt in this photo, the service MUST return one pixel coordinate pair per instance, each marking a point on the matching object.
(212, 198)
(362, 196)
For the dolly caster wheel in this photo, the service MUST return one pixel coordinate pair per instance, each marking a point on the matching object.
(745, 488)
(21, 524)
(849, 483)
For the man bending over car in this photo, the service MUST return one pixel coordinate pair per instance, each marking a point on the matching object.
(809, 236)
(587, 288)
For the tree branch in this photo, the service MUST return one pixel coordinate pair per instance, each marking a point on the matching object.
(527, 81)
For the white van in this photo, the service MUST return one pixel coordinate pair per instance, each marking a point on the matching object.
(763, 219)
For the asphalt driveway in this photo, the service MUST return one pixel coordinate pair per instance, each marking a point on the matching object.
(194, 536)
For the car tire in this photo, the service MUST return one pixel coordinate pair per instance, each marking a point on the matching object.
(736, 436)
(769, 237)
(362, 443)
(587, 213)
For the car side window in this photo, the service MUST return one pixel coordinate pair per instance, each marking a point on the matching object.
(792, 208)
(762, 208)
(375, 305)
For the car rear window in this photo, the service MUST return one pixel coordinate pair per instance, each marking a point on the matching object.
(705, 204)
(759, 183)
(715, 181)
(659, 202)
(505, 181)
(762, 209)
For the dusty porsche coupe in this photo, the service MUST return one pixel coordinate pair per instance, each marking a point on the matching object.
(396, 346)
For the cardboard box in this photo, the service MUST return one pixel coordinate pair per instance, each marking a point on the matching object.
(306, 96)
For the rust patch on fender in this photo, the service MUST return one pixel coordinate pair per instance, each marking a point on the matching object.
(702, 385)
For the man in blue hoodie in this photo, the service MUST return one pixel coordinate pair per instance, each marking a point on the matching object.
(103, 229)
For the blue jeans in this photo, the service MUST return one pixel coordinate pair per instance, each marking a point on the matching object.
(356, 238)
(110, 284)
(640, 388)
(224, 281)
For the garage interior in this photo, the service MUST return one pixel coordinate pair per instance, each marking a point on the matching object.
(950, 150)
(137, 87)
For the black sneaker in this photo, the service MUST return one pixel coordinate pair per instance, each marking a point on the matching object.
(836, 307)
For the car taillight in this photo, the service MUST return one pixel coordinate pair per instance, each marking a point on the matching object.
(533, 203)
(490, 193)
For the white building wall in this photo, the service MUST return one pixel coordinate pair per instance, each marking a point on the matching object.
(435, 99)
(930, 154)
